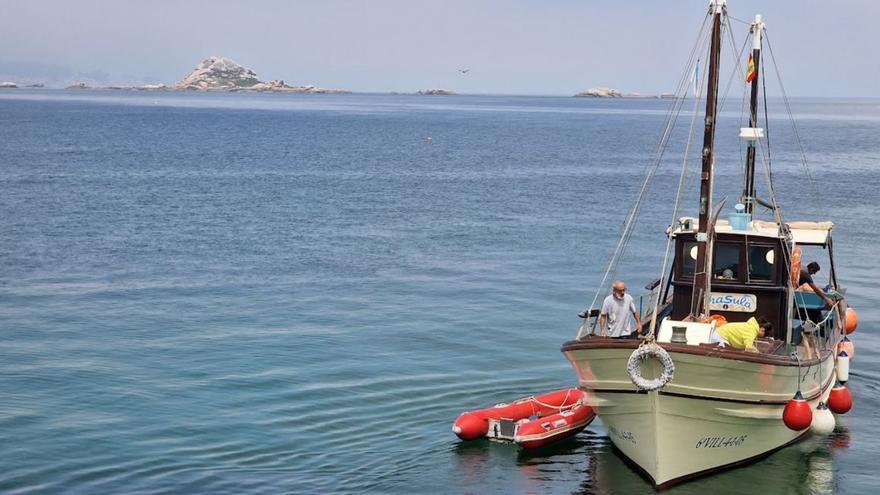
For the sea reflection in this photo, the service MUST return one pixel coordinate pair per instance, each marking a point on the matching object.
(806, 467)
(591, 464)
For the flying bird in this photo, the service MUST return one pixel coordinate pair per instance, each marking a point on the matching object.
(464, 71)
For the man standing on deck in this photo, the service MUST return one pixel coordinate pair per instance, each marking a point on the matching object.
(616, 310)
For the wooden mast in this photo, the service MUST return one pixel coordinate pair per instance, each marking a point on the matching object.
(703, 272)
(748, 196)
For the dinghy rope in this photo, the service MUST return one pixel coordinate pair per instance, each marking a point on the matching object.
(533, 399)
(641, 355)
(561, 405)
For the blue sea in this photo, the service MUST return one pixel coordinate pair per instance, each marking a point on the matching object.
(263, 293)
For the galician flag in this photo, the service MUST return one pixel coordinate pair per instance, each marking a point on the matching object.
(751, 73)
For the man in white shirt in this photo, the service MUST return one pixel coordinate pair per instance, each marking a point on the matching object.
(616, 310)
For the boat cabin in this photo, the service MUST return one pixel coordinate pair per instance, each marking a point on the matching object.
(750, 270)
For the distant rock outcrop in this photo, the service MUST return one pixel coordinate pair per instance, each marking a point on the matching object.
(222, 74)
(8, 84)
(219, 73)
(600, 93)
(443, 92)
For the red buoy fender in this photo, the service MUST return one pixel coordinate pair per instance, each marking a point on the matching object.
(475, 424)
(797, 414)
(840, 399)
(555, 427)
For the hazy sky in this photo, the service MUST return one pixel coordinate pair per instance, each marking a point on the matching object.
(824, 48)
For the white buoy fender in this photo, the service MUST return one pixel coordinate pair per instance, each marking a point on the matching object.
(640, 355)
(823, 420)
(842, 367)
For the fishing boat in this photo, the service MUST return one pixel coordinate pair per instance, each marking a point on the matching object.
(676, 401)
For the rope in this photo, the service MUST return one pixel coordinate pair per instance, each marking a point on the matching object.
(560, 407)
(830, 313)
(534, 400)
(711, 242)
(791, 119)
(738, 69)
(683, 177)
(765, 163)
(786, 246)
(651, 169)
(804, 316)
(739, 20)
(742, 113)
(675, 210)
(766, 120)
(797, 358)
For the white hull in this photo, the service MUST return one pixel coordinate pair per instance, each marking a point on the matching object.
(715, 413)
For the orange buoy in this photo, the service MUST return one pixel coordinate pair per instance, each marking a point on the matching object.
(544, 431)
(840, 399)
(847, 346)
(486, 422)
(795, 273)
(852, 321)
(797, 414)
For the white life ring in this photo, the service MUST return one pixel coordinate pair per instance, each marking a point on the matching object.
(641, 355)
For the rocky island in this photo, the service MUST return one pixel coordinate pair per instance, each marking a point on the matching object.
(614, 93)
(435, 92)
(222, 74)
(600, 93)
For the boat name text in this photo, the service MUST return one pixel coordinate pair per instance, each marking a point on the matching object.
(720, 442)
(622, 434)
(724, 301)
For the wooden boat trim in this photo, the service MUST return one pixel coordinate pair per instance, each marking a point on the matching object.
(707, 351)
(811, 397)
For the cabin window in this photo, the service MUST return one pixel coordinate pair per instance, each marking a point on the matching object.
(689, 258)
(726, 262)
(761, 260)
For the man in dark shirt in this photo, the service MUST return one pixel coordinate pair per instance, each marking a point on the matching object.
(806, 278)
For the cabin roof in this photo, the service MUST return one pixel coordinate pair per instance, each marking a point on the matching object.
(811, 233)
(804, 233)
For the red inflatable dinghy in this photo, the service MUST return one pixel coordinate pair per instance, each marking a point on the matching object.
(547, 418)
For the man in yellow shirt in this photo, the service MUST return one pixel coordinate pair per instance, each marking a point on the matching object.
(742, 335)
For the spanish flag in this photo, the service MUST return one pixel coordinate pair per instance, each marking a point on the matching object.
(751, 73)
